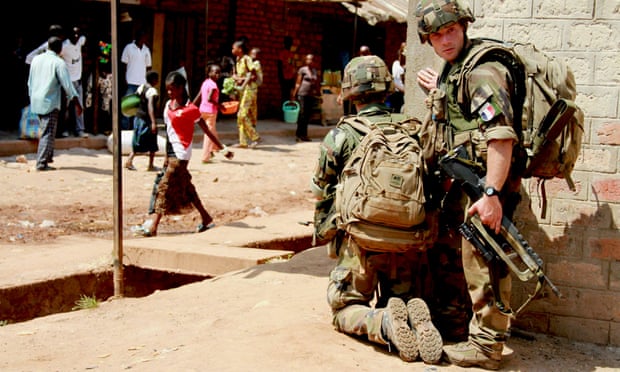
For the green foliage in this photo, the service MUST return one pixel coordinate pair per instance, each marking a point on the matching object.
(86, 302)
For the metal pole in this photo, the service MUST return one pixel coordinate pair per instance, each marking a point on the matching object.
(117, 197)
(354, 31)
(207, 28)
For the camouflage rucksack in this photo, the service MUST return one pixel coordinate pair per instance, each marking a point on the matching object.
(380, 198)
(545, 90)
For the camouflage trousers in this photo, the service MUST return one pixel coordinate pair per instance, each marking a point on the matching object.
(360, 285)
(488, 327)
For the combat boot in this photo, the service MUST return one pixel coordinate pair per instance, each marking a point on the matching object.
(395, 329)
(430, 345)
(465, 354)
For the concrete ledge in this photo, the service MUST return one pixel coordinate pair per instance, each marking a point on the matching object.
(224, 248)
(237, 245)
(210, 260)
(20, 146)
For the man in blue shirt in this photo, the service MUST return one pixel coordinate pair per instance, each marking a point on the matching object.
(49, 76)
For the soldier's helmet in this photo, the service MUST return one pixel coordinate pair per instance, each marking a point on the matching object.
(366, 76)
(435, 14)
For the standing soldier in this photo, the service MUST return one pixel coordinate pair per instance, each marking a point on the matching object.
(486, 113)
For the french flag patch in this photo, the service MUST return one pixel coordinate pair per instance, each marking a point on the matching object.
(488, 111)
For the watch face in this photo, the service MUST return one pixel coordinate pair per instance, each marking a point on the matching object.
(490, 191)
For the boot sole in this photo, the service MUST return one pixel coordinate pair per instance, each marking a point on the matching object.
(403, 337)
(430, 345)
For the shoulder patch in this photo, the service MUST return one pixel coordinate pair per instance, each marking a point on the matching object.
(489, 111)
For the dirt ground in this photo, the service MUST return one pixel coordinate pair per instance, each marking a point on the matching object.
(77, 198)
(272, 317)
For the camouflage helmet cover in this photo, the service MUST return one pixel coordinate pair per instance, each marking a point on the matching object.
(365, 75)
(434, 14)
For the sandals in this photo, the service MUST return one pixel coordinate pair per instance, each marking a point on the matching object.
(203, 228)
(140, 230)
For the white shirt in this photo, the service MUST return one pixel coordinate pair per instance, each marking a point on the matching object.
(398, 73)
(72, 54)
(137, 61)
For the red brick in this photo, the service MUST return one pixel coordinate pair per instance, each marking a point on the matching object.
(608, 133)
(606, 248)
(607, 188)
(614, 276)
(579, 274)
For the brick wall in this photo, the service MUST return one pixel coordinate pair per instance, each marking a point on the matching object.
(265, 23)
(579, 239)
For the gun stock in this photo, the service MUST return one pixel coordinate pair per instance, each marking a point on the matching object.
(509, 246)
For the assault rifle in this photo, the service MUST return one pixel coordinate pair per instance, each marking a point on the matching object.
(507, 247)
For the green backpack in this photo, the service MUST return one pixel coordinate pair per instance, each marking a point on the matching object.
(545, 91)
(380, 198)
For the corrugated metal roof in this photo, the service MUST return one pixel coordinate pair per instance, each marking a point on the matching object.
(373, 11)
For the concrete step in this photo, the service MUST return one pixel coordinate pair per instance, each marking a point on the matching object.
(230, 247)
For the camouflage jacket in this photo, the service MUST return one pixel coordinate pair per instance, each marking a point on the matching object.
(482, 111)
(486, 104)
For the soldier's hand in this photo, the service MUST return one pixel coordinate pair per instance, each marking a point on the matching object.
(489, 209)
(427, 78)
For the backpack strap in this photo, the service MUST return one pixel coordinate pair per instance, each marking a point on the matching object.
(486, 50)
(359, 123)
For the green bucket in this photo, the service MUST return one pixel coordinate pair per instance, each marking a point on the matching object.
(291, 111)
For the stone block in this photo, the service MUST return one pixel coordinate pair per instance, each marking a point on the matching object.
(597, 101)
(579, 329)
(570, 212)
(576, 9)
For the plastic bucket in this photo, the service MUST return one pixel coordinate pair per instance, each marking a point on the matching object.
(291, 111)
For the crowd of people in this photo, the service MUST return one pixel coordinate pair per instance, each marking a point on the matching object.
(371, 294)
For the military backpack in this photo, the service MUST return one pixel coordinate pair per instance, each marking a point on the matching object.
(545, 90)
(380, 198)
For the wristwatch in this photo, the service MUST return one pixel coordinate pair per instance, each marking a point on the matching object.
(491, 191)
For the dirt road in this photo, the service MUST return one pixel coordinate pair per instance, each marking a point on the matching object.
(269, 318)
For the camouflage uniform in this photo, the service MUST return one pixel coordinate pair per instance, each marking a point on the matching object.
(354, 280)
(484, 114)
(488, 328)
(360, 275)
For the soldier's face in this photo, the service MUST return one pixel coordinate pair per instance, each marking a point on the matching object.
(448, 41)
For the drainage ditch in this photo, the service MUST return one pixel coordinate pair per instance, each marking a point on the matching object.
(59, 295)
